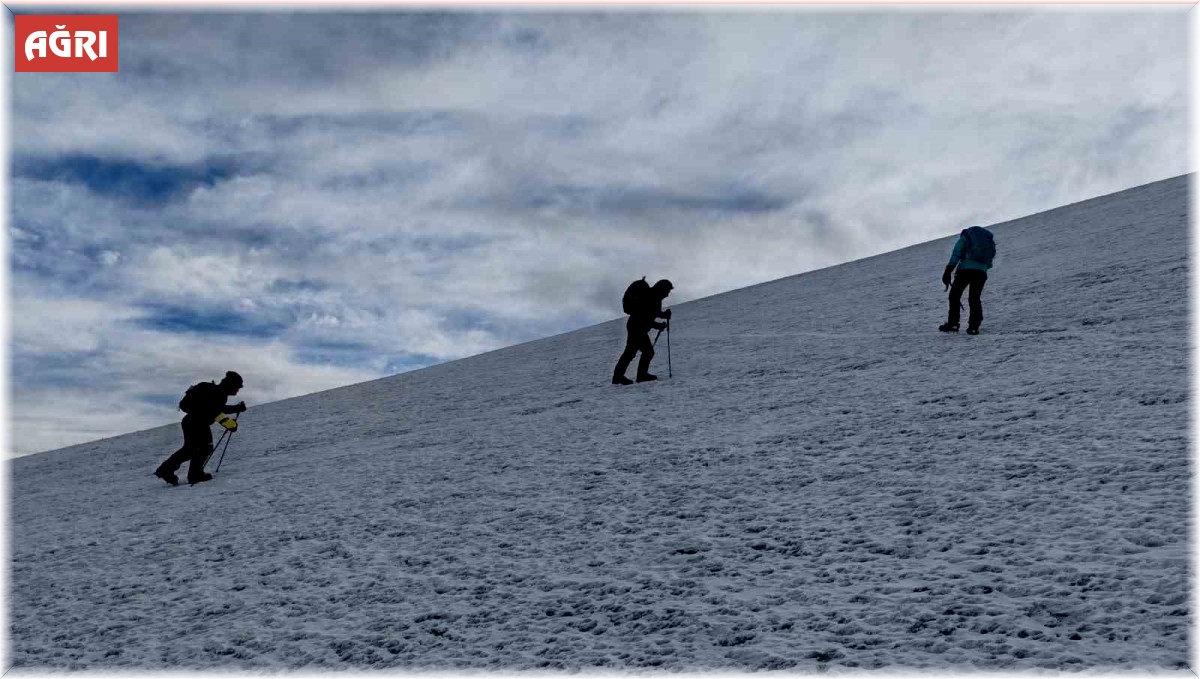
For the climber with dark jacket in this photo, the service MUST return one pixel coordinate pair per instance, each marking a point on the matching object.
(203, 403)
(972, 257)
(643, 303)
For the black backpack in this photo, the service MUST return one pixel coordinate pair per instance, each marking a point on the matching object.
(633, 299)
(196, 395)
(980, 245)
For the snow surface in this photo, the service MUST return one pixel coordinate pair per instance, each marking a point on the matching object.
(826, 482)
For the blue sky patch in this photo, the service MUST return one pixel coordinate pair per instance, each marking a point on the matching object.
(346, 354)
(624, 200)
(66, 370)
(412, 123)
(141, 183)
(282, 286)
(171, 318)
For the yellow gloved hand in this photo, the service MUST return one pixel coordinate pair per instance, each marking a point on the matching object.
(227, 422)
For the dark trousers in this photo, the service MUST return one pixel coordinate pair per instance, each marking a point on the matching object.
(197, 446)
(963, 279)
(638, 339)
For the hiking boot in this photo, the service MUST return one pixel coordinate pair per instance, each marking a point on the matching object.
(166, 476)
(972, 331)
(647, 378)
(946, 327)
(621, 379)
(201, 478)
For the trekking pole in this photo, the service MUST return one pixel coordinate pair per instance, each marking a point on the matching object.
(214, 448)
(668, 347)
(222, 458)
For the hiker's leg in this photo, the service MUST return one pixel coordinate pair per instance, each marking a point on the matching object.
(198, 439)
(631, 349)
(975, 299)
(956, 290)
(647, 349)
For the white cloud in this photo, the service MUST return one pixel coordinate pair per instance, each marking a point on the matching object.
(491, 176)
(181, 271)
(48, 326)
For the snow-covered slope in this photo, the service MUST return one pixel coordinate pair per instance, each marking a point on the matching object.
(826, 482)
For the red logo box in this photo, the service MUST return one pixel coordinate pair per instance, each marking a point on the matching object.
(81, 43)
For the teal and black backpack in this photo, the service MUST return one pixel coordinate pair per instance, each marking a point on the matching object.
(980, 245)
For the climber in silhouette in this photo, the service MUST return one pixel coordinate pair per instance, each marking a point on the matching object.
(972, 256)
(643, 303)
(203, 403)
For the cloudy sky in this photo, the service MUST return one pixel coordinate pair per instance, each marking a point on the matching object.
(316, 199)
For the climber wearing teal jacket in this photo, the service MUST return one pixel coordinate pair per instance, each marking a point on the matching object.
(972, 257)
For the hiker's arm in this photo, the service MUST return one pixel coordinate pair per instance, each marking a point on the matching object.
(956, 255)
